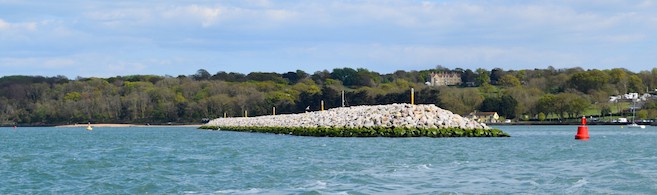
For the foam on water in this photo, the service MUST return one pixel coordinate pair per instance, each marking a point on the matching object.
(247, 191)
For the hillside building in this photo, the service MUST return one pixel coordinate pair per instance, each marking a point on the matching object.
(484, 117)
(445, 79)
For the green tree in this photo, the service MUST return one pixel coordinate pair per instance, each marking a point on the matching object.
(652, 114)
(490, 104)
(468, 78)
(642, 114)
(460, 101)
(577, 105)
(504, 105)
(619, 78)
(526, 97)
(201, 74)
(509, 80)
(230, 77)
(266, 76)
(605, 110)
(72, 96)
(483, 77)
(589, 80)
(547, 104)
(367, 78)
(348, 76)
(495, 75)
(508, 106)
(636, 84)
(294, 77)
(151, 98)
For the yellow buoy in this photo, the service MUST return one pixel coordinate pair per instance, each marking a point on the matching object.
(89, 127)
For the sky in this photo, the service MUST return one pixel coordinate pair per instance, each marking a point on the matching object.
(92, 38)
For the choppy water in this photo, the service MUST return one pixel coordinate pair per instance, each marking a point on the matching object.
(183, 160)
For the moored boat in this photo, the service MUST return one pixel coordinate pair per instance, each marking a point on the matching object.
(634, 125)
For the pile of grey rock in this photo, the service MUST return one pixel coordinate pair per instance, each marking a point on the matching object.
(393, 115)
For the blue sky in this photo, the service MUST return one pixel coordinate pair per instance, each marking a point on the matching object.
(110, 38)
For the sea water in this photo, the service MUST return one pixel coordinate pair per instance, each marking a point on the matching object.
(183, 160)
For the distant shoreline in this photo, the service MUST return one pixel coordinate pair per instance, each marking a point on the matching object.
(565, 123)
(128, 125)
(199, 125)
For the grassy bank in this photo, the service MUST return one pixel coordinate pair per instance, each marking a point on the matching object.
(367, 132)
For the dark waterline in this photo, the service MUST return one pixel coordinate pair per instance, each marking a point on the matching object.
(536, 159)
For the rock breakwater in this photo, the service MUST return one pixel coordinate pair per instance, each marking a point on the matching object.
(389, 116)
(395, 120)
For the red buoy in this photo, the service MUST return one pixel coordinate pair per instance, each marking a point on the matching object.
(582, 131)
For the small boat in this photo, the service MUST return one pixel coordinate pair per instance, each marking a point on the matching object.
(634, 125)
(89, 127)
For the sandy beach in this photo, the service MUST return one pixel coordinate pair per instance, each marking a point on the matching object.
(125, 125)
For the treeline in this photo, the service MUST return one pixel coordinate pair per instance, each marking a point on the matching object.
(525, 94)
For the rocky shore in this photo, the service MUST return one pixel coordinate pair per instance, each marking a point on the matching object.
(390, 116)
(395, 120)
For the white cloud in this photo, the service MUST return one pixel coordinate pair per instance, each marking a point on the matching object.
(388, 58)
(393, 16)
(279, 14)
(102, 38)
(75, 65)
(120, 68)
(121, 18)
(58, 63)
(173, 16)
(646, 4)
(208, 16)
(259, 3)
(623, 38)
(25, 26)
(3, 24)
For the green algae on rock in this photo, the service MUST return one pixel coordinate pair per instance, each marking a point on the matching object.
(367, 131)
